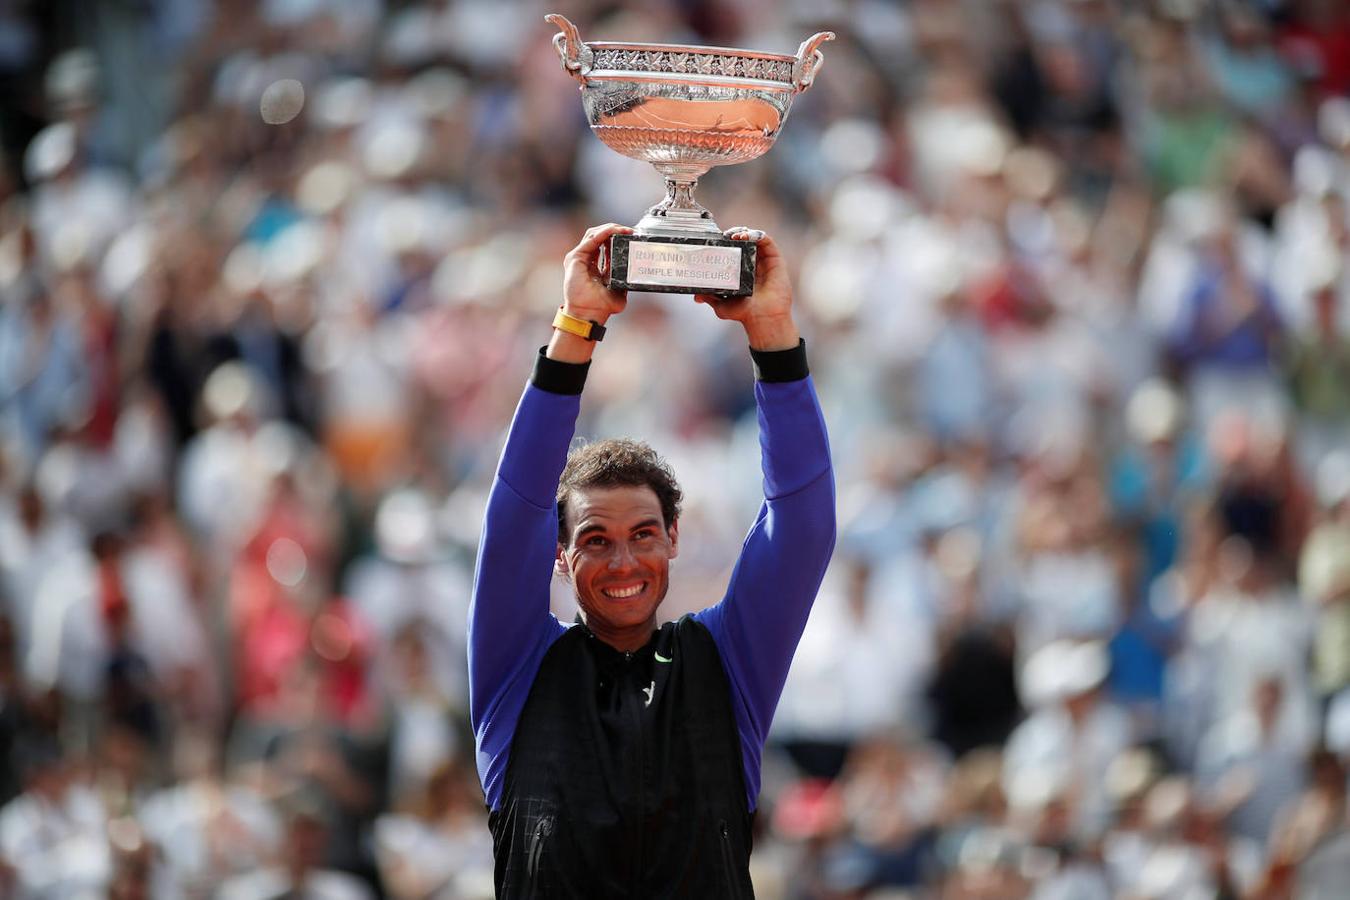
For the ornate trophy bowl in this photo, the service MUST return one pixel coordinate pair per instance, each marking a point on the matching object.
(684, 109)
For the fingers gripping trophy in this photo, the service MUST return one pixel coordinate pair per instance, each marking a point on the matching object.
(684, 109)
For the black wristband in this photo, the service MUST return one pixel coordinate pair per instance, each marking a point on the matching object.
(776, 366)
(558, 377)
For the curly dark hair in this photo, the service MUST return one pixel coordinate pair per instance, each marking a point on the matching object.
(618, 462)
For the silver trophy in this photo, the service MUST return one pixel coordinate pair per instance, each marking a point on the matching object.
(684, 109)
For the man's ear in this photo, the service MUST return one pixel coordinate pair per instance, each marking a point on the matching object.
(674, 532)
(560, 565)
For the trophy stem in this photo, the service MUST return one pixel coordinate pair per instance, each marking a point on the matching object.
(679, 214)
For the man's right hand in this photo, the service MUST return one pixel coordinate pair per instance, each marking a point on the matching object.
(584, 293)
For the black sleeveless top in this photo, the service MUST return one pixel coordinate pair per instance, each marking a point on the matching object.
(626, 778)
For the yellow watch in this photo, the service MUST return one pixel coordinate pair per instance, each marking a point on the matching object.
(588, 329)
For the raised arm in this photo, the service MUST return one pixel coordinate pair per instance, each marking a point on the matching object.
(760, 620)
(510, 627)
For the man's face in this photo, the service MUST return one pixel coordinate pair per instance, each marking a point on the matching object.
(618, 554)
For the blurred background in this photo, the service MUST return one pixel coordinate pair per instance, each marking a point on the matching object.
(1073, 278)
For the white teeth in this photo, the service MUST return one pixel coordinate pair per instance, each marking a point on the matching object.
(624, 593)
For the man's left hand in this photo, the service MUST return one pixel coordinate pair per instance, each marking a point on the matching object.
(766, 314)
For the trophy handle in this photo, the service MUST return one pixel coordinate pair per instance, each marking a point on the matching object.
(576, 57)
(808, 59)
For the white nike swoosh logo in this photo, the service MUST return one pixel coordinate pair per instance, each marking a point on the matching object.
(660, 658)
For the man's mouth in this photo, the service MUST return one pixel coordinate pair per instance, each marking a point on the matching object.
(624, 592)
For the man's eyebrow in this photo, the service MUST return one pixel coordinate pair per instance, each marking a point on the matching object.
(653, 522)
(588, 529)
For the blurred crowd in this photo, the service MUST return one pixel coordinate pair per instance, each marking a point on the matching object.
(1074, 280)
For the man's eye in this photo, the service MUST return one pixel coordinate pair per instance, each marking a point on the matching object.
(644, 534)
(596, 541)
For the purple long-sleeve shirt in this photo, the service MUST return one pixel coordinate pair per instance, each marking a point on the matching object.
(756, 625)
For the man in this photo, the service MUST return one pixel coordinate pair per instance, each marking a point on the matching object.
(619, 759)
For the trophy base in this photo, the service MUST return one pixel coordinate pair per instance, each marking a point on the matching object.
(682, 265)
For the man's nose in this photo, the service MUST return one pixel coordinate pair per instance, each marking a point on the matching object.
(622, 557)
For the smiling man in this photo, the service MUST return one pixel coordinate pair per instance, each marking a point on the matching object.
(618, 514)
(620, 757)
